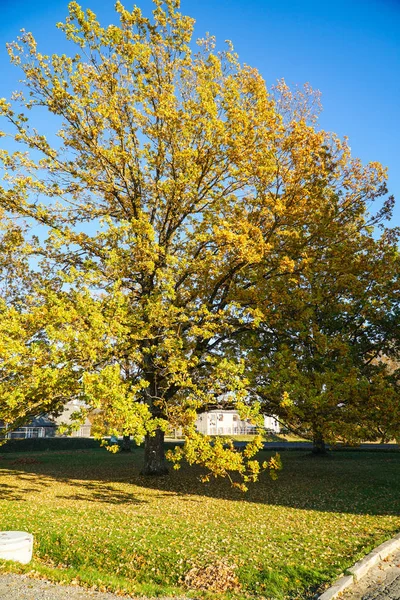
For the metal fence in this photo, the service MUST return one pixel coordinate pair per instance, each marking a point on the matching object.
(41, 432)
(28, 432)
(233, 430)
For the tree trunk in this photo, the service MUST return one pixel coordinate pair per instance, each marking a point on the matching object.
(126, 445)
(154, 456)
(318, 444)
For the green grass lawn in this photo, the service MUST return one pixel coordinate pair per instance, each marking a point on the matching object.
(98, 522)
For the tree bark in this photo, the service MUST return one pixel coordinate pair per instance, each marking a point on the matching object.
(126, 445)
(318, 444)
(154, 455)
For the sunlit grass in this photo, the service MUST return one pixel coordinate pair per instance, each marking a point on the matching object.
(97, 521)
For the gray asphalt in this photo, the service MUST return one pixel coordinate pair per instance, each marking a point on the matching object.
(381, 583)
(22, 587)
(308, 446)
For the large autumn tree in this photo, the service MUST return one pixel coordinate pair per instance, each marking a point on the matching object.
(178, 190)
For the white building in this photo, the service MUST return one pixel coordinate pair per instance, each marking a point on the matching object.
(65, 418)
(228, 422)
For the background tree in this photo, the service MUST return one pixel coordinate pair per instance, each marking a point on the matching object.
(318, 364)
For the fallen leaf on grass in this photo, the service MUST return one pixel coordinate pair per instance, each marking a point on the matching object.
(26, 460)
(217, 577)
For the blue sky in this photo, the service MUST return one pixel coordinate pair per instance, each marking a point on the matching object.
(349, 50)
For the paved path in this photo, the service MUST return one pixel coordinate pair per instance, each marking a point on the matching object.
(278, 445)
(381, 583)
(21, 587)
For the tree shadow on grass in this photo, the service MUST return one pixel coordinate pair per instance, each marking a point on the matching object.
(349, 482)
(9, 492)
(33, 475)
(31, 483)
(101, 492)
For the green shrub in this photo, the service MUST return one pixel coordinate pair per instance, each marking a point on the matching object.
(48, 443)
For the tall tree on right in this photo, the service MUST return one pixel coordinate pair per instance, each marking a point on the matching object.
(324, 361)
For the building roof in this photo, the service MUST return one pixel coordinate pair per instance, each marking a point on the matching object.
(41, 421)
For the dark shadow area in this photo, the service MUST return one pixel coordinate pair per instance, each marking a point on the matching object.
(51, 444)
(342, 481)
(100, 492)
(355, 483)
